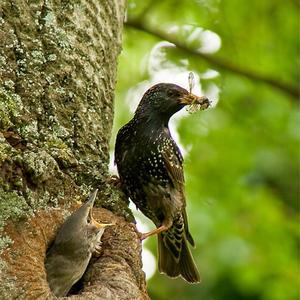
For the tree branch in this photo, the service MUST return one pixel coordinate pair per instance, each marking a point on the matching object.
(220, 63)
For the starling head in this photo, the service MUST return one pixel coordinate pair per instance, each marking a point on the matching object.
(77, 239)
(165, 99)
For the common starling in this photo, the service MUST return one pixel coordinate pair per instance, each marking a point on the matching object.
(150, 169)
(77, 239)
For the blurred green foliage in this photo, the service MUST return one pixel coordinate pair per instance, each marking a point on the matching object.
(242, 163)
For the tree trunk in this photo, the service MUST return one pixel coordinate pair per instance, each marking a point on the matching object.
(58, 70)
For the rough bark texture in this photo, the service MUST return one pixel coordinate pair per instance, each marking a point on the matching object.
(57, 76)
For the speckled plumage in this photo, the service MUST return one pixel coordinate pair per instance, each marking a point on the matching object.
(150, 168)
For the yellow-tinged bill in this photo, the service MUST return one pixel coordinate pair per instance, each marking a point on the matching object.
(191, 99)
(100, 225)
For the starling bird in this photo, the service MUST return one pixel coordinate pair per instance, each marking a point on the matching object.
(77, 239)
(150, 169)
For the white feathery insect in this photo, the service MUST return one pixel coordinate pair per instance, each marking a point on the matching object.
(195, 106)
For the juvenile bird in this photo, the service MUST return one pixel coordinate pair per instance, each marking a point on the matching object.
(77, 239)
(150, 169)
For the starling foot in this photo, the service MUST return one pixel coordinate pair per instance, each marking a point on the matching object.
(114, 180)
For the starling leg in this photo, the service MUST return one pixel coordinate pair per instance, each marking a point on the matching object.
(160, 229)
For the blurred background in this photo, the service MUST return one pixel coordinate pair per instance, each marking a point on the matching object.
(242, 155)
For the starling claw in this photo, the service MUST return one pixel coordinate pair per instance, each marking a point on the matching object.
(115, 181)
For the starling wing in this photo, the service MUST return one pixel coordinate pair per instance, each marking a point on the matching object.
(175, 257)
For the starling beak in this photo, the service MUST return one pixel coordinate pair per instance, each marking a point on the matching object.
(77, 239)
(150, 168)
(191, 99)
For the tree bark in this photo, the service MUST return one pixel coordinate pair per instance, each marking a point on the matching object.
(58, 69)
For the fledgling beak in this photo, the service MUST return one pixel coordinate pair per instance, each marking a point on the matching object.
(92, 197)
(191, 99)
(100, 225)
(91, 201)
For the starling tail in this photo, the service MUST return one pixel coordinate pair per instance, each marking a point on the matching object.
(174, 256)
(185, 266)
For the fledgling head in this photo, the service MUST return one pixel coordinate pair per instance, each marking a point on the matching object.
(81, 227)
(68, 257)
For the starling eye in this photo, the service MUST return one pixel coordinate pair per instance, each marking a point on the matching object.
(173, 94)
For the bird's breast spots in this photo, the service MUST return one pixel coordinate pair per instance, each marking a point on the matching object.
(155, 191)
